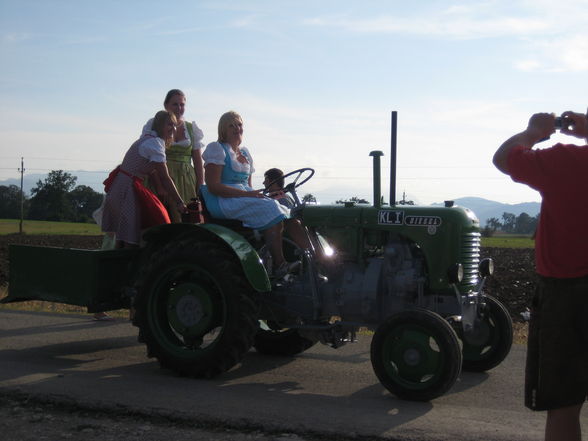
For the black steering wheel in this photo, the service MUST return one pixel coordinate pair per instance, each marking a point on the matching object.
(292, 186)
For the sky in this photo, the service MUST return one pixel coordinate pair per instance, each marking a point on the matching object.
(315, 83)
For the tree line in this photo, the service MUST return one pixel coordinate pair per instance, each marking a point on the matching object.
(521, 224)
(57, 198)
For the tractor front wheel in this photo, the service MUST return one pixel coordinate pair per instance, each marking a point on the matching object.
(489, 343)
(416, 355)
(194, 308)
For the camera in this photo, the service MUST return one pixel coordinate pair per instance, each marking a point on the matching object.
(561, 122)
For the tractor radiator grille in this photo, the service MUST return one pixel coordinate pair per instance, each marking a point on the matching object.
(470, 257)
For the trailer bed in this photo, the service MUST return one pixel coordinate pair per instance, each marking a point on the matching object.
(96, 279)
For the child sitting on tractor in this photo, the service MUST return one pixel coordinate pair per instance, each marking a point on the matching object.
(274, 184)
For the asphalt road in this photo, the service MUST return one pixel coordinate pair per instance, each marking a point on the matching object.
(324, 391)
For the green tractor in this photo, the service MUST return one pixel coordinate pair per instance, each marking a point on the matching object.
(203, 296)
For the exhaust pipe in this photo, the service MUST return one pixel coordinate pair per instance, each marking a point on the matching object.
(377, 179)
(376, 165)
(393, 135)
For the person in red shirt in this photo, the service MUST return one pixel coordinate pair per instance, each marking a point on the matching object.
(556, 373)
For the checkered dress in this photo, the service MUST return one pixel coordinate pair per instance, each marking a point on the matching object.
(121, 214)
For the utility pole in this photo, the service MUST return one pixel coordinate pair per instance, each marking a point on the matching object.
(21, 169)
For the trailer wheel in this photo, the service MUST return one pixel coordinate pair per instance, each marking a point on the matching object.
(194, 309)
(416, 355)
(489, 345)
(272, 340)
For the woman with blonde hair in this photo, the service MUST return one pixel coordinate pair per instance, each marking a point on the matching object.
(228, 194)
(129, 207)
(184, 158)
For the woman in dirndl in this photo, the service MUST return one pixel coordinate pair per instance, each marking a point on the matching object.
(228, 194)
(184, 158)
(129, 207)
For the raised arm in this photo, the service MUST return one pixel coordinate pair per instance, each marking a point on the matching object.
(579, 128)
(541, 126)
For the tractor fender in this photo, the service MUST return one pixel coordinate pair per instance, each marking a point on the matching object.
(250, 261)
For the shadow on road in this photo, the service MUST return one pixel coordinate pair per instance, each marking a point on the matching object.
(113, 371)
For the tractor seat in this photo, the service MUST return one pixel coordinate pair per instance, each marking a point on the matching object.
(233, 224)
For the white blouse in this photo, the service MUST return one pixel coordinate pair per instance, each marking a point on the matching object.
(215, 154)
(152, 147)
(196, 131)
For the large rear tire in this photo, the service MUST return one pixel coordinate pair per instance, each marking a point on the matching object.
(492, 340)
(416, 355)
(194, 308)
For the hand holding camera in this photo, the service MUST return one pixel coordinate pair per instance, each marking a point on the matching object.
(569, 123)
(572, 123)
(562, 122)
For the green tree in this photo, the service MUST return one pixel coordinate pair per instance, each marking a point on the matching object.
(84, 200)
(10, 200)
(355, 199)
(309, 198)
(525, 224)
(50, 199)
(508, 222)
(492, 224)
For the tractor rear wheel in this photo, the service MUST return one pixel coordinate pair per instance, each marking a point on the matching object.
(272, 340)
(416, 355)
(490, 343)
(194, 308)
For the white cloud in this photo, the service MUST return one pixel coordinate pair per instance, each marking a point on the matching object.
(563, 54)
(573, 53)
(568, 53)
(544, 38)
(528, 65)
(246, 21)
(453, 23)
(15, 37)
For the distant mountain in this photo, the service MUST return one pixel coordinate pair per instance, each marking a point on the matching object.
(486, 209)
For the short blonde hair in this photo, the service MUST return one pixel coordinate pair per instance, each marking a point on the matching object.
(160, 119)
(225, 121)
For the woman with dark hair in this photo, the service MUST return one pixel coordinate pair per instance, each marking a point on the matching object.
(184, 158)
(129, 207)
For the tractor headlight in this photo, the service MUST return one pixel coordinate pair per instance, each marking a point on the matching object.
(486, 267)
(455, 273)
(329, 252)
(327, 249)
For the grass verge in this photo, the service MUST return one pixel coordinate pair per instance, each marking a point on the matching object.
(11, 226)
(506, 241)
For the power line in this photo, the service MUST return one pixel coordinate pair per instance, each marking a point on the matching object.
(265, 163)
(317, 177)
(59, 159)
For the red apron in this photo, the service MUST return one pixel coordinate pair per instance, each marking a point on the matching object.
(152, 210)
